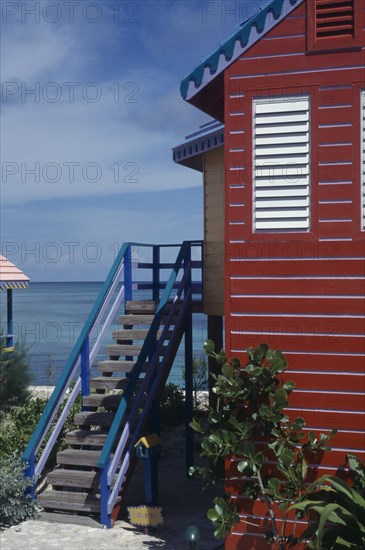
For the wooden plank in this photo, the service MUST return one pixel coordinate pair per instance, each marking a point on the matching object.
(59, 500)
(78, 457)
(335, 229)
(328, 400)
(299, 342)
(302, 267)
(290, 249)
(322, 360)
(336, 211)
(94, 418)
(116, 366)
(131, 334)
(298, 325)
(116, 350)
(135, 319)
(74, 478)
(298, 286)
(332, 381)
(86, 437)
(334, 192)
(102, 400)
(72, 519)
(286, 305)
(142, 306)
(330, 153)
(342, 115)
(108, 382)
(330, 418)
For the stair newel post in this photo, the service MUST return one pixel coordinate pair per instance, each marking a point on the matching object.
(151, 464)
(188, 369)
(156, 273)
(105, 517)
(128, 274)
(85, 368)
(29, 473)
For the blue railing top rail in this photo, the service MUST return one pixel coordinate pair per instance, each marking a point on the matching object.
(146, 351)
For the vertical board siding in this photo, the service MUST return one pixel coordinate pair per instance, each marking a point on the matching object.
(301, 291)
(214, 232)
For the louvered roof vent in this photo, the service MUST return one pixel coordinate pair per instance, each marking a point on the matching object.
(335, 18)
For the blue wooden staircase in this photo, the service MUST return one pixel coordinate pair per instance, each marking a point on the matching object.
(119, 405)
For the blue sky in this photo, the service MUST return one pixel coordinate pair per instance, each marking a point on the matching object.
(90, 110)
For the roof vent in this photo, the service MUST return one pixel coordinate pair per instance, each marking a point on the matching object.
(335, 18)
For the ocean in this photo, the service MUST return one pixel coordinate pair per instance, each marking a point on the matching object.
(48, 318)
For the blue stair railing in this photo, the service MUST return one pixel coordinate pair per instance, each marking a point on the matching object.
(177, 295)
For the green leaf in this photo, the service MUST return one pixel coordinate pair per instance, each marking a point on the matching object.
(286, 457)
(242, 466)
(195, 425)
(289, 386)
(208, 347)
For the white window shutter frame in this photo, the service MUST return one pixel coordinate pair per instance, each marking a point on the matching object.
(281, 164)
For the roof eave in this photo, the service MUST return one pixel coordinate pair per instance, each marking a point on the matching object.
(202, 78)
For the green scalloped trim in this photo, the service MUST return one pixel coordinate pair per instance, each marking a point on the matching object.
(227, 48)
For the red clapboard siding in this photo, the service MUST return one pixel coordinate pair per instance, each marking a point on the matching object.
(336, 381)
(299, 325)
(293, 341)
(330, 267)
(298, 285)
(331, 135)
(304, 305)
(337, 363)
(295, 291)
(335, 229)
(336, 192)
(336, 211)
(341, 115)
(335, 94)
(332, 418)
(341, 152)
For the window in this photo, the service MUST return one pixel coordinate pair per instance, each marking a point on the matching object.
(362, 164)
(281, 171)
(333, 24)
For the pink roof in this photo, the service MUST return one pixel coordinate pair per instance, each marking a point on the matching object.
(11, 276)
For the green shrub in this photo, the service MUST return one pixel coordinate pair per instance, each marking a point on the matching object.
(336, 510)
(172, 405)
(15, 505)
(14, 377)
(21, 422)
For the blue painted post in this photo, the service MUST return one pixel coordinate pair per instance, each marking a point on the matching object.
(105, 517)
(9, 304)
(156, 273)
(29, 473)
(189, 374)
(150, 464)
(128, 274)
(85, 368)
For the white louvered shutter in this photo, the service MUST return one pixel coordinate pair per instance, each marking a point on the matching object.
(281, 171)
(362, 144)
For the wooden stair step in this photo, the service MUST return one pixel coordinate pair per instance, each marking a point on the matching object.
(132, 319)
(69, 500)
(131, 334)
(78, 457)
(111, 365)
(108, 383)
(74, 478)
(73, 519)
(141, 306)
(95, 438)
(116, 350)
(86, 418)
(102, 400)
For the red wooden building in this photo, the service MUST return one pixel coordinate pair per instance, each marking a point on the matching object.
(284, 205)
